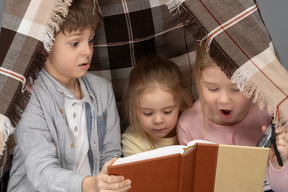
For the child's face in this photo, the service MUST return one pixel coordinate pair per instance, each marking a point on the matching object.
(158, 113)
(71, 55)
(224, 104)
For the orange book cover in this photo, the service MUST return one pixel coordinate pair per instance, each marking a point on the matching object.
(196, 167)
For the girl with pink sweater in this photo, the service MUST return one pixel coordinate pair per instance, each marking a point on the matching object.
(224, 115)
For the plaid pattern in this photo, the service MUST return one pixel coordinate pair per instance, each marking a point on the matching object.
(134, 28)
(26, 26)
(240, 43)
(131, 30)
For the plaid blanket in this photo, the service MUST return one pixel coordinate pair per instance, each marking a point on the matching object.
(131, 30)
(27, 25)
(238, 40)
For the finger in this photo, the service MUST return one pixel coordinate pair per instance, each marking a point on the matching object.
(281, 142)
(108, 163)
(110, 182)
(122, 185)
(281, 129)
(281, 136)
(264, 127)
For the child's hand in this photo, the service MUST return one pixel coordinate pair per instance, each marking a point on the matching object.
(282, 146)
(104, 182)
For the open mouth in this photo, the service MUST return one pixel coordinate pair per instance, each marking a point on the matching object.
(225, 113)
(83, 64)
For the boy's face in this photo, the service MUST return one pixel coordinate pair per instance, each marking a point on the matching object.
(224, 104)
(71, 55)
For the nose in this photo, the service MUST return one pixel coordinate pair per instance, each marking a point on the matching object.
(224, 97)
(87, 50)
(158, 119)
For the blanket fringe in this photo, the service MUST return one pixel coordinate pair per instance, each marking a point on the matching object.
(59, 13)
(192, 25)
(174, 6)
(21, 99)
(259, 97)
(6, 129)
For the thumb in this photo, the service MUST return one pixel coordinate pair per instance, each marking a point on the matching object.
(108, 163)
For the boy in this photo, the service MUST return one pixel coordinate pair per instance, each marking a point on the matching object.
(70, 127)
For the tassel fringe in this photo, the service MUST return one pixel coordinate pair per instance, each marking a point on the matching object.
(192, 25)
(59, 13)
(259, 97)
(174, 6)
(6, 129)
(21, 99)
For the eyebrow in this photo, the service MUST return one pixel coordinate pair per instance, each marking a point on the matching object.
(145, 108)
(78, 34)
(211, 83)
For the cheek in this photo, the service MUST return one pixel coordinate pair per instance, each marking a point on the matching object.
(143, 120)
(243, 102)
(173, 119)
(208, 98)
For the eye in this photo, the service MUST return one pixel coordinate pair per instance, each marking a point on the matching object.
(167, 112)
(74, 44)
(235, 89)
(213, 89)
(90, 41)
(147, 113)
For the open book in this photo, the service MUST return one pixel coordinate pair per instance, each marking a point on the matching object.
(199, 166)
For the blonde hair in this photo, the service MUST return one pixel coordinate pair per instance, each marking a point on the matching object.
(82, 14)
(149, 72)
(202, 61)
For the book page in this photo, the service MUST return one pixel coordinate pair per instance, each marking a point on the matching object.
(160, 152)
(193, 142)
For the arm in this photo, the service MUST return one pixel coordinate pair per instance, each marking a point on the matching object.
(108, 135)
(112, 137)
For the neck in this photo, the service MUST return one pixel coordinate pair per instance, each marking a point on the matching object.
(74, 87)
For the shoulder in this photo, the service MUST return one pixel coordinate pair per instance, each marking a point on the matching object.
(194, 112)
(131, 133)
(134, 142)
(132, 136)
(92, 78)
(98, 85)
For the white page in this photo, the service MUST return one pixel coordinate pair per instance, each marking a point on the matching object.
(193, 142)
(160, 152)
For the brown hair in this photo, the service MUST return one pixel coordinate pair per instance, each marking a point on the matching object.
(203, 60)
(82, 14)
(150, 72)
